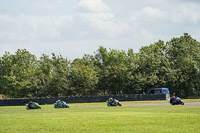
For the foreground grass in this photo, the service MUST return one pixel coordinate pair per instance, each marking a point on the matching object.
(88, 118)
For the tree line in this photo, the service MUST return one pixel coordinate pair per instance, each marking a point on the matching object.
(174, 65)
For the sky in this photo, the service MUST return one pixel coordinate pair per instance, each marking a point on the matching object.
(73, 28)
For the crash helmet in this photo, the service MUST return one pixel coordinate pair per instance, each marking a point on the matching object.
(111, 99)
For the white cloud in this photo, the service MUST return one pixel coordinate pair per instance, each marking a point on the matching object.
(100, 19)
(32, 28)
(154, 13)
(74, 28)
(105, 23)
(60, 1)
(185, 13)
(175, 9)
(92, 6)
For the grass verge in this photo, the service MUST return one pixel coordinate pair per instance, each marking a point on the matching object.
(85, 118)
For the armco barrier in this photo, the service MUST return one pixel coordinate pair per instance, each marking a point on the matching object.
(83, 99)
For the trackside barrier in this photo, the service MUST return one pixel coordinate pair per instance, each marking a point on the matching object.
(83, 99)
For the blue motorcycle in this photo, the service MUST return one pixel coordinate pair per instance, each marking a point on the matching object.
(60, 104)
(176, 101)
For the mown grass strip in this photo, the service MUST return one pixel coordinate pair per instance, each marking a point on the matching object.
(82, 118)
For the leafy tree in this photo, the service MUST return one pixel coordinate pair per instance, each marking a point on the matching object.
(45, 76)
(83, 77)
(152, 67)
(17, 72)
(184, 56)
(112, 70)
(175, 64)
(53, 75)
(60, 80)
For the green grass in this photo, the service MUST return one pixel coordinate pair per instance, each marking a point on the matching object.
(86, 118)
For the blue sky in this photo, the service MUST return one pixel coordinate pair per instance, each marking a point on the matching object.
(73, 28)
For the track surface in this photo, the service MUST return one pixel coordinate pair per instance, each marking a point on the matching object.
(160, 104)
(150, 104)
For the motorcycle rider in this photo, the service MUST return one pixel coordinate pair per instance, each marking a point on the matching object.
(58, 102)
(31, 104)
(63, 102)
(111, 99)
(113, 102)
(173, 99)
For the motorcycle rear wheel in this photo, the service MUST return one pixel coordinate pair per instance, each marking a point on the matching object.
(119, 104)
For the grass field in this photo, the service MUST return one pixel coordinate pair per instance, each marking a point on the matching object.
(96, 118)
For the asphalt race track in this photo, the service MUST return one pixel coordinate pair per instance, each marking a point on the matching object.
(150, 104)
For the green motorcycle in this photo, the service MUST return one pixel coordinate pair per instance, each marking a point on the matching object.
(32, 105)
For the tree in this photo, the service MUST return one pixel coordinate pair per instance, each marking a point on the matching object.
(174, 64)
(17, 72)
(153, 66)
(83, 77)
(60, 79)
(53, 75)
(45, 68)
(184, 57)
(112, 70)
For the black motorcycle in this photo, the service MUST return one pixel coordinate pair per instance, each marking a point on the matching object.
(176, 101)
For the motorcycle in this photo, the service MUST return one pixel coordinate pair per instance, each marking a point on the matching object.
(176, 101)
(113, 102)
(61, 105)
(33, 105)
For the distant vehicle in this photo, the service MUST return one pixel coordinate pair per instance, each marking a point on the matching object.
(158, 91)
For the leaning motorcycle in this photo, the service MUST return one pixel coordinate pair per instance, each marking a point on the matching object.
(176, 101)
(61, 105)
(115, 102)
(34, 105)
